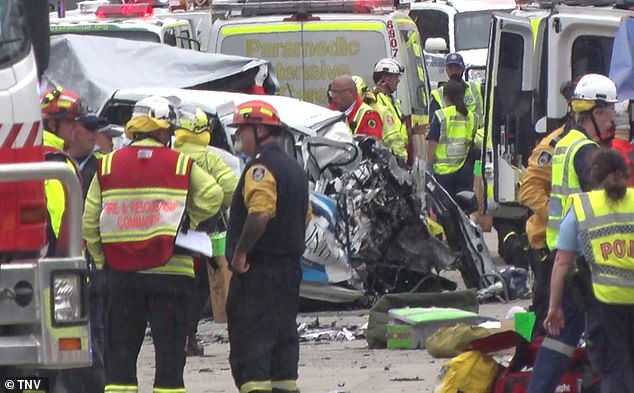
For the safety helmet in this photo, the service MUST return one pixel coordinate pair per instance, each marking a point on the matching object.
(361, 86)
(591, 90)
(60, 103)
(256, 112)
(388, 66)
(151, 113)
(192, 118)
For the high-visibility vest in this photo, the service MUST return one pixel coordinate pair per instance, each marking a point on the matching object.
(143, 193)
(456, 134)
(565, 181)
(606, 231)
(472, 100)
(393, 110)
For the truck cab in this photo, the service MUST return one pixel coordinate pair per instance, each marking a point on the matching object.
(43, 301)
(134, 21)
(460, 26)
(532, 52)
(311, 43)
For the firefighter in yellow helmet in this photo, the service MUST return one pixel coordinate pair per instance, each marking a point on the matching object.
(599, 227)
(192, 137)
(593, 102)
(135, 207)
(265, 242)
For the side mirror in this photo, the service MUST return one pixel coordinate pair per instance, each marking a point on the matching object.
(467, 201)
(540, 126)
(436, 45)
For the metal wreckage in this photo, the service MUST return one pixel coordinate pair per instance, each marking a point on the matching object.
(370, 235)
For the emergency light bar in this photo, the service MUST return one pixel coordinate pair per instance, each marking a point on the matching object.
(273, 7)
(90, 6)
(124, 11)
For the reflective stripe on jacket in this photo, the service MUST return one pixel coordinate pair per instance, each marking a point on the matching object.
(565, 181)
(142, 208)
(606, 231)
(456, 133)
(472, 99)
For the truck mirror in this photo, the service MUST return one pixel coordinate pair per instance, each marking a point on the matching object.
(436, 45)
(540, 126)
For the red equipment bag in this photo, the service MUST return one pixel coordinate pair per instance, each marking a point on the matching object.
(515, 377)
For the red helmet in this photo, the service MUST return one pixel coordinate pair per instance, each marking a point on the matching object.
(256, 112)
(60, 103)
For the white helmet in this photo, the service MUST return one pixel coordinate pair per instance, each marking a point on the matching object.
(389, 66)
(156, 107)
(592, 89)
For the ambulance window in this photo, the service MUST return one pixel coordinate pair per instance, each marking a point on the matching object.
(591, 54)
(431, 24)
(510, 71)
(472, 30)
(13, 31)
(184, 40)
(169, 37)
(414, 67)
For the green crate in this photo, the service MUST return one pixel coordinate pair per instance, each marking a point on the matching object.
(218, 243)
(524, 322)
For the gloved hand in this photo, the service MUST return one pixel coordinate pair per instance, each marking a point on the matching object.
(262, 74)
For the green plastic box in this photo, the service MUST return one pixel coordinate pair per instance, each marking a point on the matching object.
(524, 322)
(218, 243)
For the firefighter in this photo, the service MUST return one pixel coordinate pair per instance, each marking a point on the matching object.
(265, 242)
(455, 68)
(449, 141)
(387, 75)
(599, 227)
(535, 194)
(361, 118)
(62, 112)
(192, 137)
(593, 103)
(135, 206)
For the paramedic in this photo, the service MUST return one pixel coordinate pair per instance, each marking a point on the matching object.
(387, 75)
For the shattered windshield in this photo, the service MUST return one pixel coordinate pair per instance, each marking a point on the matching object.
(472, 30)
(14, 41)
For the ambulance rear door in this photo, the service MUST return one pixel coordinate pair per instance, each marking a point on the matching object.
(581, 40)
(510, 85)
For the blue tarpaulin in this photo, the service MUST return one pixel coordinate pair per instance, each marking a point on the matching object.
(621, 65)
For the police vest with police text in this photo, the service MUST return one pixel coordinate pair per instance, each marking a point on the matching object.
(143, 191)
(565, 181)
(606, 231)
(456, 135)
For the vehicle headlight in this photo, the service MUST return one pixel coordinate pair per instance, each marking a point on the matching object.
(68, 302)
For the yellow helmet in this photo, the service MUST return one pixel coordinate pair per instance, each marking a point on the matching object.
(192, 119)
(150, 114)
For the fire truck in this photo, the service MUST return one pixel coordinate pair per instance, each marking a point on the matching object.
(532, 52)
(133, 21)
(43, 301)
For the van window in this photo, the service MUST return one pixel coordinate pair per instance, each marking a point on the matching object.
(591, 54)
(184, 39)
(472, 30)
(13, 31)
(431, 23)
(415, 67)
(169, 37)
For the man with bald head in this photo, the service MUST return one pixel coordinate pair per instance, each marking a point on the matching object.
(361, 118)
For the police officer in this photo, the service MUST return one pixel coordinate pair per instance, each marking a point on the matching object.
(387, 75)
(361, 118)
(599, 227)
(455, 67)
(535, 194)
(134, 209)
(593, 103)
(62, 112)
(192, 137)
(449, 141)
(265, 242)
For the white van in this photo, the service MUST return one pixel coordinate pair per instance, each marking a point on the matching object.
(311, 43)
(460, 26)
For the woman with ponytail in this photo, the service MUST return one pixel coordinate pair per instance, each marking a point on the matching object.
(599, 228)
(449, 141)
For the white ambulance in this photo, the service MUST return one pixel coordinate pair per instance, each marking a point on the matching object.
(531, 54)
(132, 21)
(312, 42)
(460, 26)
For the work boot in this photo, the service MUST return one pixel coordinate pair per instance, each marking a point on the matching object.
(194, 347)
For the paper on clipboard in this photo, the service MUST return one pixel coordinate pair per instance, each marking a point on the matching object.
(196, 241)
